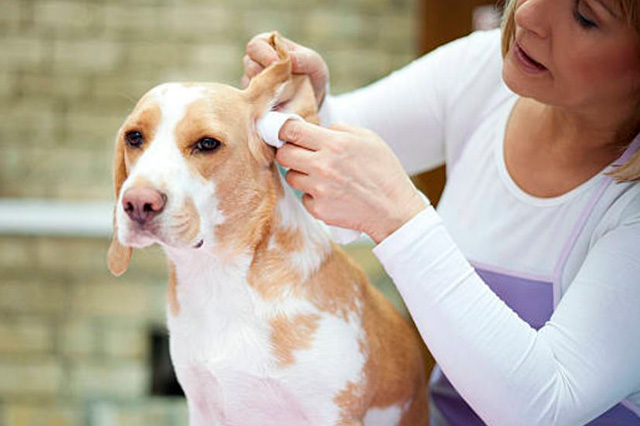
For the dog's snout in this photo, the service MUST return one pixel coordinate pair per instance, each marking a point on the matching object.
(143, 204)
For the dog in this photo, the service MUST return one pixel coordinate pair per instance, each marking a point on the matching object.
(270, 323)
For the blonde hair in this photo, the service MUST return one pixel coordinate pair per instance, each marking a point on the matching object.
(629, 171)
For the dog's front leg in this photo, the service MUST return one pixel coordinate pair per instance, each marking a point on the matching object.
(204, 397)
(198, 417)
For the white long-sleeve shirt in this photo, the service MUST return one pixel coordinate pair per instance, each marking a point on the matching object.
(451, 107)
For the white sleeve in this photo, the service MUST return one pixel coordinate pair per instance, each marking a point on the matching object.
(585, 360)
(413, 108)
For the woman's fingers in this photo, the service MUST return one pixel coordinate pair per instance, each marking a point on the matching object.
(306, 135)
(251, 67)
(299, 181)
(296, 158)
(309, 203)
(260, 54)
(260, 51)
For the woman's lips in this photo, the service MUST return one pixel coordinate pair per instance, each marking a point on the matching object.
(528, 64)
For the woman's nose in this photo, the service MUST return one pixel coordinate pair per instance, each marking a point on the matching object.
(535, 16)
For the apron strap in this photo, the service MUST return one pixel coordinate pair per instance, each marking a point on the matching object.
(584, 217)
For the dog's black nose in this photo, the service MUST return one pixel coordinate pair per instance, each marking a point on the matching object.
(143, 204)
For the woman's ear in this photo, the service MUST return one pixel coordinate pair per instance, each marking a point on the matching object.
(119, 256)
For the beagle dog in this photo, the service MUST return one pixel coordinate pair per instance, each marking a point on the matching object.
(270, 323)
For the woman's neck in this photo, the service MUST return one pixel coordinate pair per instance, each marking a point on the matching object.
(550, 150)
(601, 131)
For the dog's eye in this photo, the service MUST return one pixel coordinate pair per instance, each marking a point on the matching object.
(207, 145)
(134, 139)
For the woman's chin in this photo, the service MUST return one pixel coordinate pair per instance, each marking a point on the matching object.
(520, 83)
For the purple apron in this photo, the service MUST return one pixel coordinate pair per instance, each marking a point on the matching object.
(534, 300)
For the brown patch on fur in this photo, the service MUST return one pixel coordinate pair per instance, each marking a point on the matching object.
(248, 210)
(336, 286)
(351, 403)
(223, 121)
(394, 368)
(270, 273)
(145, 119)
(172, 291)
(293, 334)
(289, 240)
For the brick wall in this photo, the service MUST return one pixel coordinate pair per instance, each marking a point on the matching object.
(74, 344)
(70, 70)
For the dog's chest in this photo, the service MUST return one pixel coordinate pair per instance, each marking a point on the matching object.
(224, 352)
(219, 322)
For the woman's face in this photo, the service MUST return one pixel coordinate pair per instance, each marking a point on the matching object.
(573, 53)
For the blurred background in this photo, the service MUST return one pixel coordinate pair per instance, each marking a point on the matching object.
(78, 347)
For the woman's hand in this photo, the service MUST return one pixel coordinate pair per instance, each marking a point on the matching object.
(350, 178)
(260, 55)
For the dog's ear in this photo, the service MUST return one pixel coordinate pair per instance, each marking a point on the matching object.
(265, 89)
(119, 256)
(276, 88)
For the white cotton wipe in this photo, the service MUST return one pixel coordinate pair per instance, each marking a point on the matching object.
(269, 126)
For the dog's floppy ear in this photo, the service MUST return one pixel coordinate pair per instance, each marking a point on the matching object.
(276, 88)
(119, 256)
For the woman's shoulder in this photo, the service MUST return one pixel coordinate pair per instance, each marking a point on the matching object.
(476, 89)
(474, 46)
(471, 62)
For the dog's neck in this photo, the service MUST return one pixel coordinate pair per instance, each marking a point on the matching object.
(286, 247)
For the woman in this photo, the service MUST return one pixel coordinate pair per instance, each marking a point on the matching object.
(525, 284)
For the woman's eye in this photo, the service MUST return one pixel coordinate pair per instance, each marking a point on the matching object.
(207, 145)
(134, 139)
(582, 20)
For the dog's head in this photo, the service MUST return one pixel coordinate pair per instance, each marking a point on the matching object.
(190, 169)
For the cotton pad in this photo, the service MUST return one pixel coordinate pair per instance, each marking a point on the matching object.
(269, 126)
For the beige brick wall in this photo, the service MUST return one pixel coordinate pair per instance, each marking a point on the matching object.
(71, 69)
(74, 343)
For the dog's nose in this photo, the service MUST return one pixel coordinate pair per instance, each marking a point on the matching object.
(143, 204)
